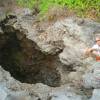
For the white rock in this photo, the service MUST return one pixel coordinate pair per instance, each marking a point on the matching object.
(96, 94)
(3, 94)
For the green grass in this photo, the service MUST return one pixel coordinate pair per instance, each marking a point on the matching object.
(80, 6)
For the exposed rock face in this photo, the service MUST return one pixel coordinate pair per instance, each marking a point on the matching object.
(6, 7)
(92, 77)
(11, 89)
(96, 95)
(51, 54)
(31, 65)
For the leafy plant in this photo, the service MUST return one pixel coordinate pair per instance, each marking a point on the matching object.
(80, 6)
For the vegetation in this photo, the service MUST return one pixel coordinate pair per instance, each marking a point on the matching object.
(81, 7)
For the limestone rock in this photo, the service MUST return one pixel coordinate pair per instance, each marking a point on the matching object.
(96, 95)
(45, 55)
(92, 77)
(65, 93)
(3, 94)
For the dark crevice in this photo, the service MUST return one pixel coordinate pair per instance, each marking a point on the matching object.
(25, 62)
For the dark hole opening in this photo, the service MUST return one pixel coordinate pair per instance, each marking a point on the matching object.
(41, 67)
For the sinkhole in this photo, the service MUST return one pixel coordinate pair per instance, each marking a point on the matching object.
(25, 62)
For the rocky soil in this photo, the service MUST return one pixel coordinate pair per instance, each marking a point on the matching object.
(45, 61)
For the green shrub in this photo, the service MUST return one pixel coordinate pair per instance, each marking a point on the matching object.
(80, 6)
